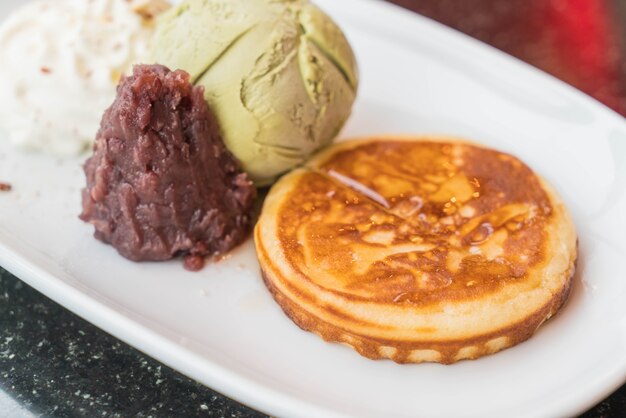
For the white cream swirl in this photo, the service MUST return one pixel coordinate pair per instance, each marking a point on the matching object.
(60, 61)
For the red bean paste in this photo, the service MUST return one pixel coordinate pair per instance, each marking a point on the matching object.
(160, 182)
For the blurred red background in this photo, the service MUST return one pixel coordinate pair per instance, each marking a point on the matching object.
(582, 42)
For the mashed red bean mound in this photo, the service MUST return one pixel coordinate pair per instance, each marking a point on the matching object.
(160, 182)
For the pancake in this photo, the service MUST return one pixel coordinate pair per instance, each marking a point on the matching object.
(418, 249)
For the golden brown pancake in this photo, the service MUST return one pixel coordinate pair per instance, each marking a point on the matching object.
(417, 249)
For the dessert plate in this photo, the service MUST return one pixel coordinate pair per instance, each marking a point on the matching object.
(221, 327)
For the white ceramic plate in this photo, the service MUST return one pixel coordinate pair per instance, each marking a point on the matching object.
(222, 328)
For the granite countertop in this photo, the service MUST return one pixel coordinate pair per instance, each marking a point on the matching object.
(53, 363)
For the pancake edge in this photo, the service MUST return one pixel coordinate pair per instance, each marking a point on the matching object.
(442, 351)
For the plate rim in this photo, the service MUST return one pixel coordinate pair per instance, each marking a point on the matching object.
(245, 390)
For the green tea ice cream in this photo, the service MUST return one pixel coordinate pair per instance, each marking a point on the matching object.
(279, 74)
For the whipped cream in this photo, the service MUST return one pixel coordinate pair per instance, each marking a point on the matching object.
(60, 62)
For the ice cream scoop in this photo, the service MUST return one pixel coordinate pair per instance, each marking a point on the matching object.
(61, 61)
(280, 75)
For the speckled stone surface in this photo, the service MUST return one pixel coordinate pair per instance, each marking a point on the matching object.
(55, 364)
